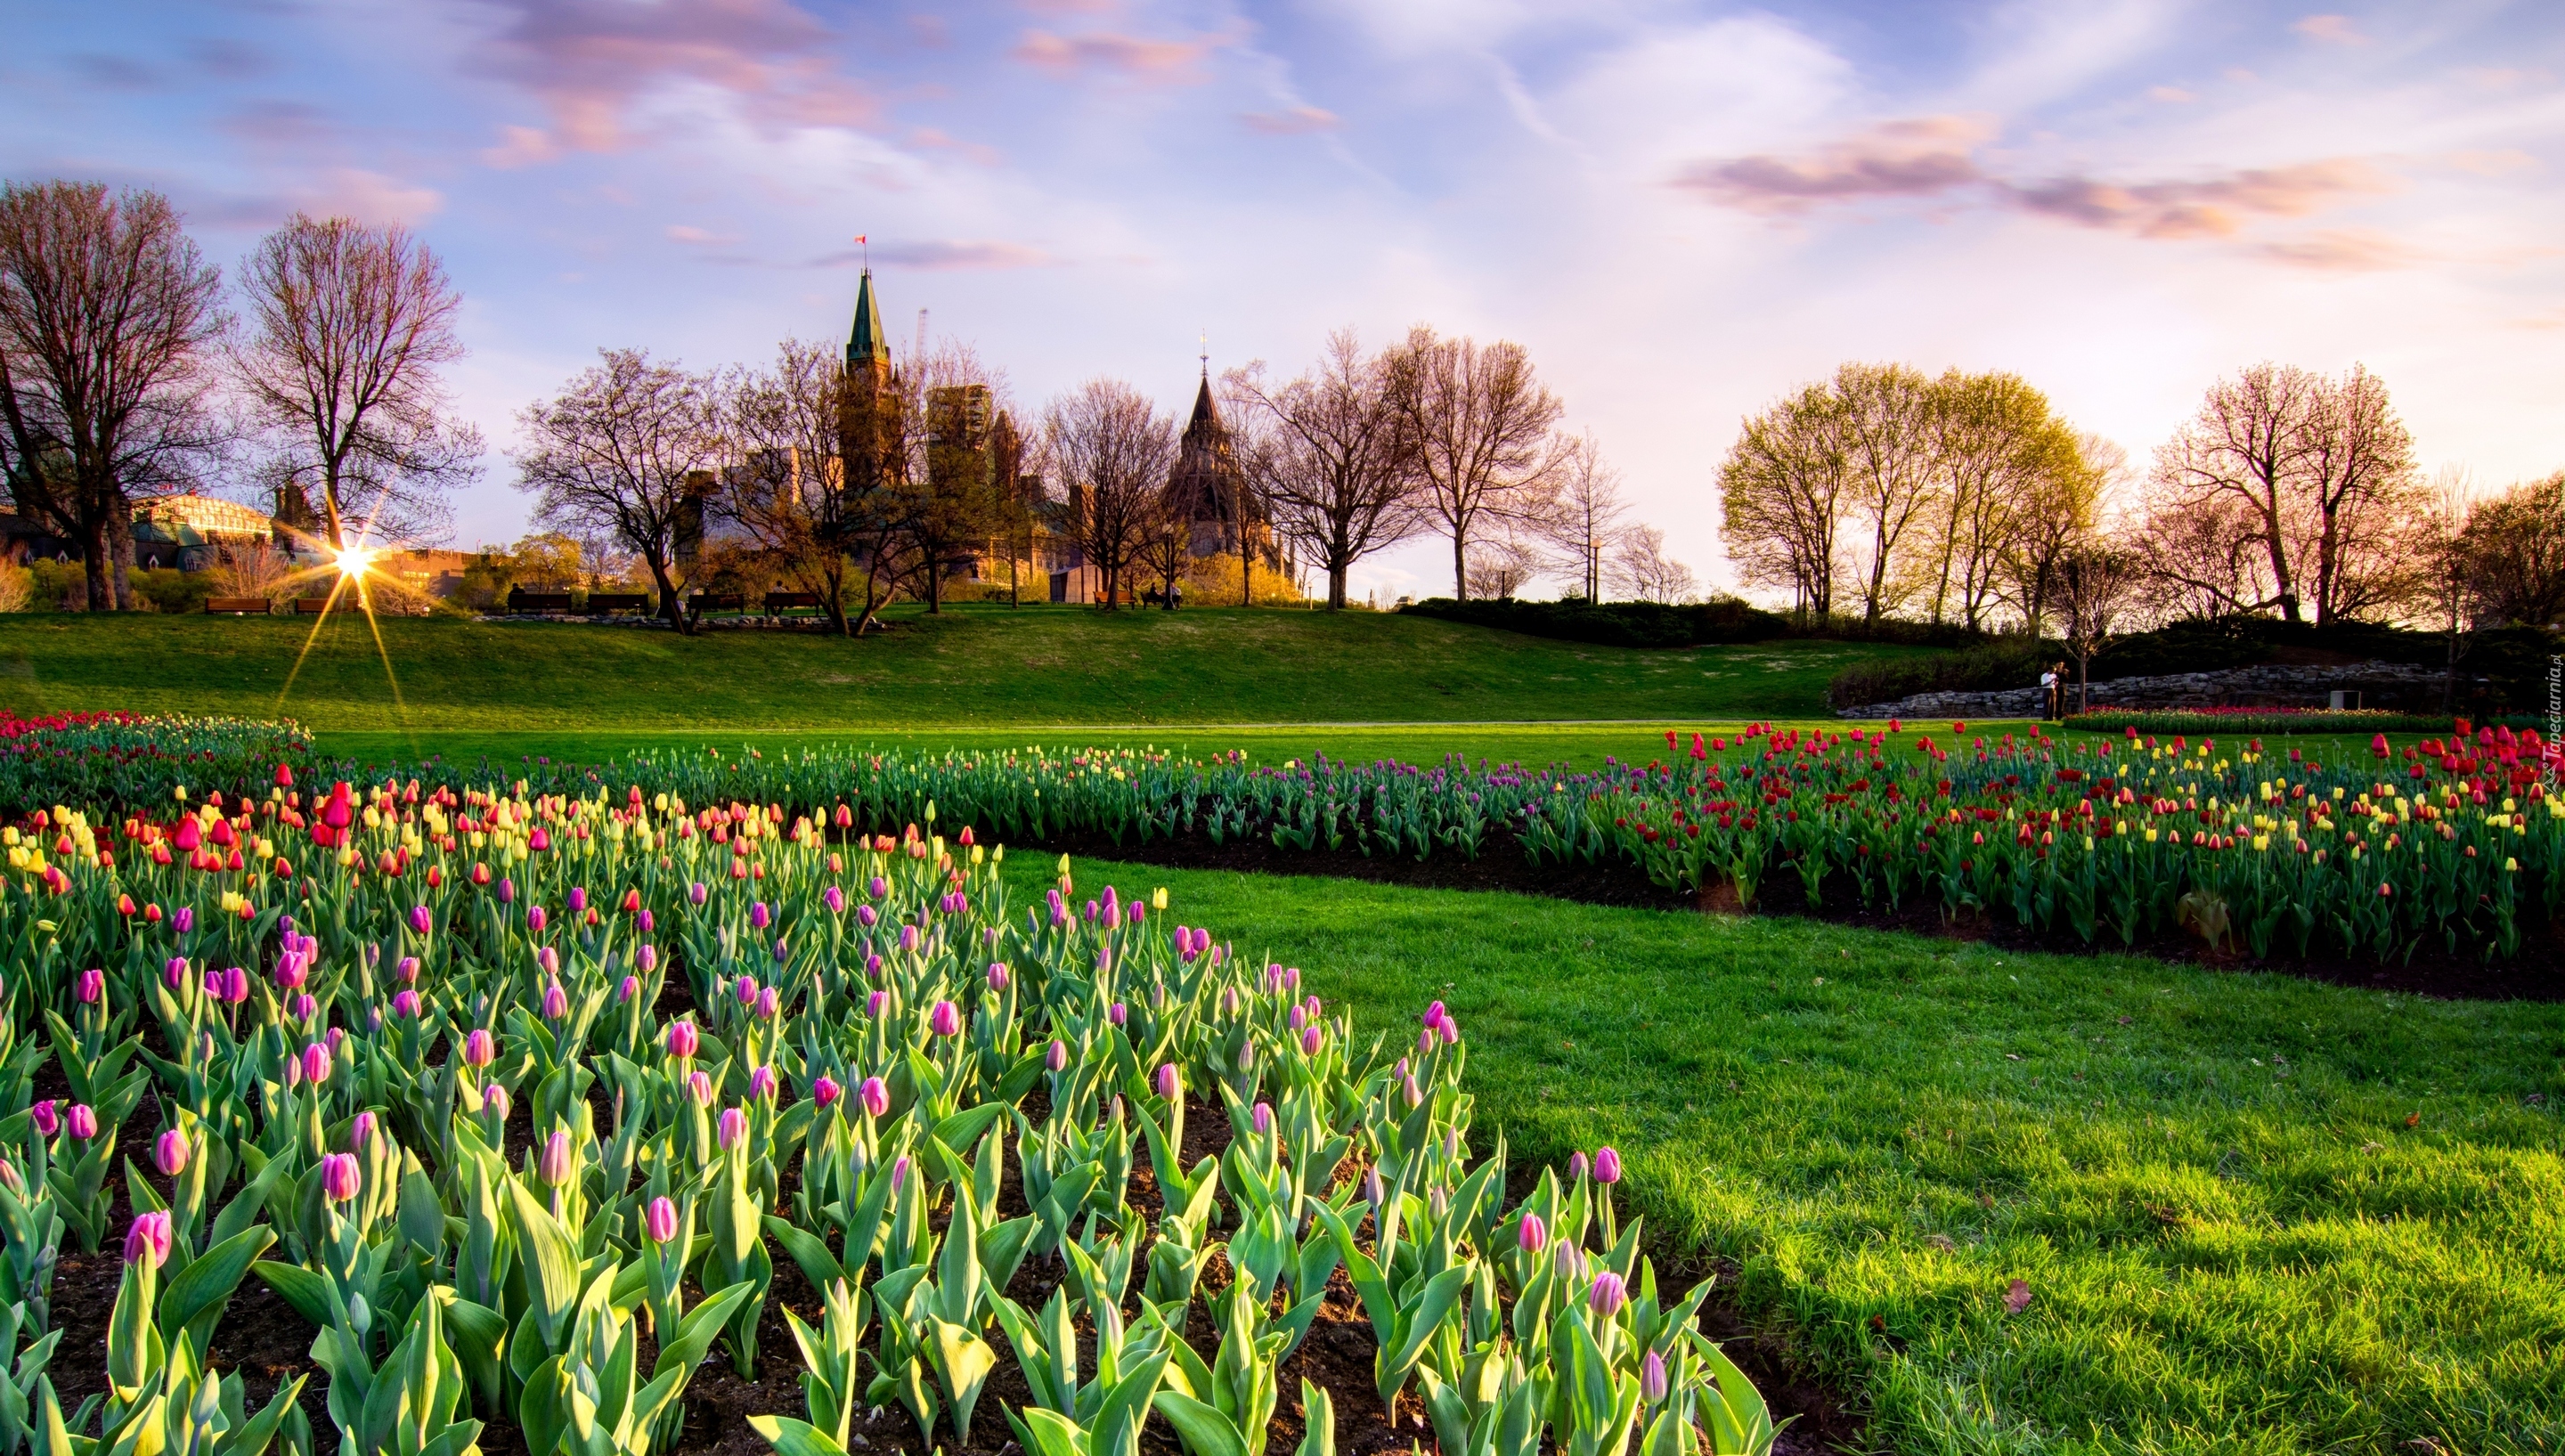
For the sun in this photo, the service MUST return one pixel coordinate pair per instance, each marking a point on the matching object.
(354, 560)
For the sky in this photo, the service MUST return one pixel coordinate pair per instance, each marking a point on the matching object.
(1681, 210)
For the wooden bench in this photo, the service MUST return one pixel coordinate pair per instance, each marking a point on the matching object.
(703, 602)
(311, 606)
(780, 603)
(236, 606)
(539, 602)
(600, 603)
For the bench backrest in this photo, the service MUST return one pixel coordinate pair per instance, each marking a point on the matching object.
(619, 601)
(539, 602)
(242, 605)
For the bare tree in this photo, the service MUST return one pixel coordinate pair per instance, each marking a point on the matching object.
(944, 499)
(350, 324)
(2365, 496)
(1500, 567)
(2095, 583)
(784, 492)
(1166, 543)
(108, 313)
(1332, 457)
(1782, 495)
(628, 449)
(1482, 427)
(1585, 521)
(2451, 588)
(1110, 450)
(2516, 552)
(1641, 568)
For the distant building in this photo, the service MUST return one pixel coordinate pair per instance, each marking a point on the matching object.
(189, 532)
(437, 573)
(1208, 488)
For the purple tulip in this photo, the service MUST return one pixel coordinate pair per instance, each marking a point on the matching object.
(825, 1089)
(873, 967)
(184, 920)
(1450, 1030)
(695, 892)
(683, 1039)
(945, 1020)
(1311, 1040)
(1532, 1236)
(478, 1049)
(235, 985)
(495, 1098)
(761, 1083)
(1652, 1380)
(1608, 1165)
(834, 898)
(316, 1063)
(1261, 1117)
(420, 922)
(874, 1003)
(534, 918)
(289, 971)
(734, 1125)
(1607, 1296)
(578, 900)
(661, 1220)
(745, 987)
(405, 1004)
(1057, 1057)
(769, 1003)
(304, 1006)
(699, 1086)
(647, 922)
(783, 950)
(408, 968)
(865, 918)
(339, 1177)
(908, 937)
(556, 1002)
(1119, 1014)
(998, 975)
(507, 892)
(1575, 1166)
(877, 886)
(148, 1242)
(360, 1131)
(169, 1154)
(553, 1166)
(48, 1121)
(759, 916)
(93, 986)
(648, 958)
(898, 1173)
(875, 1096)
(627, 987)
(1374, 1193)
(1170, 1081)
(1433, 1017)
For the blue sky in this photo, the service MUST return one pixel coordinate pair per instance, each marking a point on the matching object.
(1683, 210)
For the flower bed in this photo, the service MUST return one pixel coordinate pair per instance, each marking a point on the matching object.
(528, 1107)
(136, 758)
(2166, 722)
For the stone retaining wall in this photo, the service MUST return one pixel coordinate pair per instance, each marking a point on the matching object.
(2270, 685)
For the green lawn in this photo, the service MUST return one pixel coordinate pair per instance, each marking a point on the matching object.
(463, 684)
(2233, 1240)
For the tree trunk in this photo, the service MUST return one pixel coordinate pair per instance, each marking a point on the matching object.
(1459, 565)
(120, 535)
(97, 570)
(671, 605)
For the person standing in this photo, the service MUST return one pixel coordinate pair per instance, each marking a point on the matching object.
(2051, 692)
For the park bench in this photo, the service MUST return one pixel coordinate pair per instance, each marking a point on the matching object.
(311, 606)
(601, 603)
(236, 606)
(780, 603)
(538, 601)
(703, 602)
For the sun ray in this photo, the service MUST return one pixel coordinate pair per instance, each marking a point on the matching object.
(352, 574)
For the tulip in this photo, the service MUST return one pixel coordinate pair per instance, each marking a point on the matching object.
(1415, 1093)
(734, 1125)
(1119, 1014)
(1532, 1236)
(235, 985)
(834, 898)
(305, 1007)
(825, 1089)
(1170, 1082)
(683, 1039)
(1374, 1193)
(783, 951)
(761, 1083)
(1433, 1015)
(185, 920)
(908, 937)
(1311, 1040)
(535, 919)
(360, 1131)
(877, 886)
(1608, 1165)
(1607, 1296)
(93, 986)
(769, 1003)
(421, 920)
(316, 1063)
(550, 960)
(898, 1173)
(495, 1098)
(507, 892)
(556, 1002)
(1575, 1166)
(759, 916)
(646, 921)
(1652, 1380)
(997, 975)
(554, 1165)
(699, 1086)
(648, 958)
(875, 1096)
(874, 1003)
(148, 1242)
(695, 892)
(339, 1177)
(865, 918)
(405, 1005)
(745, 987)
(946, 1019)
(578, 900)
(1261, 1117)
(1057, 1057)
(408, 968)
(627, 987)
(169, 1154)
(478, 1049)
(1450, 1030)
(48, 1121)
(660, 1219)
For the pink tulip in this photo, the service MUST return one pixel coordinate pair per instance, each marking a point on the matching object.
(661, 1220)
(1608, 1165)
(1170, 1081)
(734, 1125)
(316, 1063)
(339, 1177)
(1607, 1296)
(648, 958)
(761, 1083)
(876, 1095)
(48, 1120)
(1119, 1014)
(825, 1089)
(495, 1098)
(578, 900)
(746, 990)
(759, 918)
(682, 1039)
(997, 976)
(627, 987)
(874, 1003)
(769, 1003)
(554, 1165)
(1532, 1236)
(169, 1154)
(405, 1004)
(699, 1084)
(148, 1241)
(420, 922)
(1260, 1116)
(408, 968)
(360, 1131)
(556, 1002)
(478, 1049)
(1055, 1056)
(93, 986)
(535, 919)
(945, 1020)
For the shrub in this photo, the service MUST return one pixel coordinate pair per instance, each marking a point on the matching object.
(1992, 668)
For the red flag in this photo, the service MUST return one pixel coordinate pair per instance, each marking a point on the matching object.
(859, 237)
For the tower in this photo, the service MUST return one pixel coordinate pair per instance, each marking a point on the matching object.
(1204, 486)
(869, 402)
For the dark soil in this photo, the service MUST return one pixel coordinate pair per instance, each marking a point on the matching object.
(2537, 973)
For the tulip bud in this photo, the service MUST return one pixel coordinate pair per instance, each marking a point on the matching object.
(48, 1120)
(479, 1049)
(648, 958)
(408, 968)
(1607, 1296)
(867, 916)
(1119, 1014)
(834, 898)
(908, 937)
(745, 987)
(556, 1002)
(627, 987)
(1532, 1236)
(305, 1008)
(1261, 1117)
(768, 1002)
(825, 1089)
(148, 1241)
(578, 900)
(421, 920)
(1170, 1081)
(535, 919)
(874, 1003)
(184, 920)
(405, 1004)
(1415, 1093)
(339, 1177)
(552, 1166)
(1575, 1166)
(683, 1039)
(1374, 1193)
(495, 1098)
(945, 1020)
(660, 1219)
(699, 1086)
(734, 1125)
(696, 892)
(1652, 1380)
(169, 1154)
(93, 986)
(997, 975)
(898, 1173)
(1608, 1165)
(761, 1083)
(360, 1131)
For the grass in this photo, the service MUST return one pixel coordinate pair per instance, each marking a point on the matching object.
(2232, 1239)
(467, 686)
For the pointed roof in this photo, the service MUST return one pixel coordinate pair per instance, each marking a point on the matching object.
(866, 342)
(1206, 418)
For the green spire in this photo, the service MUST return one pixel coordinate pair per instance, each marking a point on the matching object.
(866, 342)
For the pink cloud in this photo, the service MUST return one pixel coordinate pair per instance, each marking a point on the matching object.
(700, 237)
(590, 61)
(1914, 158)
(2345, 251)
(946, 255)
(2336, 29)
(1133, 57)
(2210, 208)
(1292, 122)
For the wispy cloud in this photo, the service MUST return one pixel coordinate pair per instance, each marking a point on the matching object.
(592, 62)
(2333, 29)
(1292, 120)
(2215, 206)
(2346, 250)
(946, 255)
(698, 237)
(1916, 156)
(1132, 58)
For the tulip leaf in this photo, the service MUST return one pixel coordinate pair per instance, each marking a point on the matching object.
(197, 1297)
(791, 1437)
(307, 1292)
(1205, 1431)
